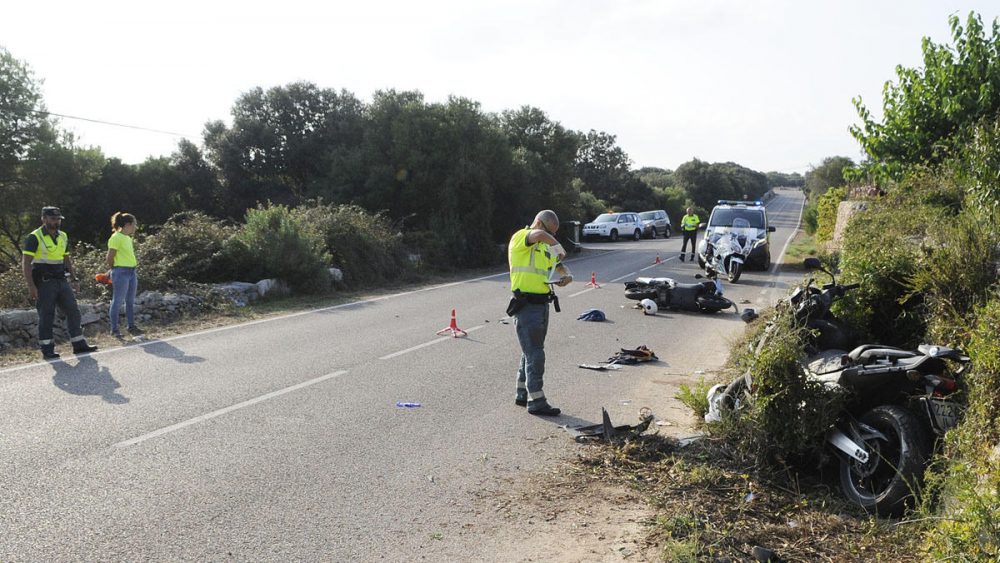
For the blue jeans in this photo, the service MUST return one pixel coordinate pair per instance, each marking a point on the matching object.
(532, 323)
(123, 285)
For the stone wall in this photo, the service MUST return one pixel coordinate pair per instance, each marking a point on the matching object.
(19, 327)
(845, 211)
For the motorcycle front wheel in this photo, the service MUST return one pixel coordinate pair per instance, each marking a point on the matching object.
(735, 269)
(886, 484)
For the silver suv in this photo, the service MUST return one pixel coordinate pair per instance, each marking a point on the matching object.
(613, 226)
(655, 223)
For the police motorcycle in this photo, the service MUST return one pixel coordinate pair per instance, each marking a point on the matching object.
(701, 297)
(728, 251)
(898, 402)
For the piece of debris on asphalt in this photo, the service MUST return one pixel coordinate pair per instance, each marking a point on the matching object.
(633, 356)
(664, 423)
(745, 302)
(601, 367)
(609, 433)
(407, 405)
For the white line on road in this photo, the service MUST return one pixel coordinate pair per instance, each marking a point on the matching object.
(798, 225)
(425, 344)
(655, 264)
(228, 409)
(628, 275)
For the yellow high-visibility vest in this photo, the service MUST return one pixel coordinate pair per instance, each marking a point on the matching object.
(529, 264)
(48, 252)
(690, 222)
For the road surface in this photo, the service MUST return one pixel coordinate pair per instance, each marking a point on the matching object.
(281, 440)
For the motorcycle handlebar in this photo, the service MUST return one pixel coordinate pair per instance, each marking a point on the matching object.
(851, 286)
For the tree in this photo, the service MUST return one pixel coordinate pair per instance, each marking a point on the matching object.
(656, 177)
(285, 143)
(38, 165)
(604, 168)
(829, 174)
(783, 180)
(927, 108)
(542, 171)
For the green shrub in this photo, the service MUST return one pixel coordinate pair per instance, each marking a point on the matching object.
(365, 246)
(810, 218)
(789, 413)
(275, 244)
(826, 212)
(881, 251)
(188, 247)
(967, 478)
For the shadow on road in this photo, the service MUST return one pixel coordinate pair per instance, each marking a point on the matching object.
(87, 377)
(170, 352)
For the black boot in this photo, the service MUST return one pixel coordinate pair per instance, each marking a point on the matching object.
(682, 256)
(49, 352)
(81, 347)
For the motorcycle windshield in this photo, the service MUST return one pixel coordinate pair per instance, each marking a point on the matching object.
(743, 235)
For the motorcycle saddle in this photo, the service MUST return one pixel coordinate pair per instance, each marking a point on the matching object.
(657, 281)
(870, 352)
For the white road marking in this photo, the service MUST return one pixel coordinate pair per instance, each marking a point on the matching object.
(653, 265)
(229, 409)
(628, 275)
(798, 225)
(425, 344)
(582, 292)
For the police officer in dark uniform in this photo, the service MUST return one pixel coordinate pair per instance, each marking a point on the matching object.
(48, 270)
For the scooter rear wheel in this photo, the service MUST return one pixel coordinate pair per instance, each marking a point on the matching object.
(638, 294)
(886, 483)
(713, 304)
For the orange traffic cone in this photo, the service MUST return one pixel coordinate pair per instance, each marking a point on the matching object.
(453, 328)
(658, 261)
(593, 281)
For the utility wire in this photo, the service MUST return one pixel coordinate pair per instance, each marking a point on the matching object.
(124, 125)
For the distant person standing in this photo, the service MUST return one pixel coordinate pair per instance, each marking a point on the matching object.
(121, 260)
(48, 270)
(689, 226)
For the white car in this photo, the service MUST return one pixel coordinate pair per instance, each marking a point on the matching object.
(613, 226)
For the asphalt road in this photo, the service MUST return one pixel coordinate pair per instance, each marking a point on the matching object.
(281, 439)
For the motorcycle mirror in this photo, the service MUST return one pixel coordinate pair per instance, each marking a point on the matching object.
(812, 264)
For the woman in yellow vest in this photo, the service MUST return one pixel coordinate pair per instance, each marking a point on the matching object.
(121, 260)
(532, 254)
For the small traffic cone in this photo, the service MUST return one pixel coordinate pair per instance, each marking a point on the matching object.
(453, 328)
(658, 261)
(593, 281)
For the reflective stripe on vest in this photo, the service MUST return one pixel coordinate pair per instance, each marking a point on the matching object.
(529, 264)
(49, 255)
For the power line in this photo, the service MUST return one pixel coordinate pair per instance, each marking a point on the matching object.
(99, 121)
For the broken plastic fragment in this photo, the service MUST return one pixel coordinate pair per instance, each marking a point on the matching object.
(407, 405)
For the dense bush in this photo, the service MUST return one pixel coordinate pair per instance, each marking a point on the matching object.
(274, 244)
(826, 213)
(189, 247)
(365, 246)
(788, 413)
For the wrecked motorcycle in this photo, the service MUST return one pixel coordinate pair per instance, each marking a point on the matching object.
(898, 400)
(703, 297)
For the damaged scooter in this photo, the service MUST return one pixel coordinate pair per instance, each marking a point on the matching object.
(897, 400)
(701, 297)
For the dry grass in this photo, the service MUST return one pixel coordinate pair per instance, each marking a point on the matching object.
(711, 506)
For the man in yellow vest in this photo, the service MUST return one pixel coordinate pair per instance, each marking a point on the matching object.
(533, 253)
(689, 226)
(47, 270)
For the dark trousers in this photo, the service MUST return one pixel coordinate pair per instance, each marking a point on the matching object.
(53, 293)
(689, 236)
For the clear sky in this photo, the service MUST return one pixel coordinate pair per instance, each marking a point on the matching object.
(765, 83)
